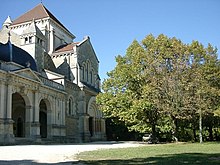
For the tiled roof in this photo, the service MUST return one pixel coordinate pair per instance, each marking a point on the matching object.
(38, 12)
(64, 48)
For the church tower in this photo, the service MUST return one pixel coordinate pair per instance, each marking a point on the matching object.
(33, 41)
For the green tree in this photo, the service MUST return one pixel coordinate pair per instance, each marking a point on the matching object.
(161, 79)
(123, 94)
(203, 91)
(169, 61)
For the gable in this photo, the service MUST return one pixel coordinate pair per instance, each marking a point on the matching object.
(86, 52)
(65, 70)
(27, 73)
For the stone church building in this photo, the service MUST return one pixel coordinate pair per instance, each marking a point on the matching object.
(48, 82)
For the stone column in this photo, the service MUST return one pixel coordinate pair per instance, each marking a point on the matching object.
(62, 117)
(28, 120)
(63, 113)
(35, 125)
(84, 127)
(9, 102)
(8, 129)
(2, 112)
(36, 112)
(98, 125)
(95, 121)
(60, 113)
(53, 110)
(2, 101)
(49, 123)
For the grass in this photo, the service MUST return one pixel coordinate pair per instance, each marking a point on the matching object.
(162, 154)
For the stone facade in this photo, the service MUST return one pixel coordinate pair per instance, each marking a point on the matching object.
(54, 97)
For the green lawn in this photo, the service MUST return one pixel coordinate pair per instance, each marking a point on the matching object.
(165, 154)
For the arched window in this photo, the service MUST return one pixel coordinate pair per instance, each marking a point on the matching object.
(30, 39)
(41, 42)
(84, 72)
(91, 76)
(87, 71)
(25, 40)
(70, 106)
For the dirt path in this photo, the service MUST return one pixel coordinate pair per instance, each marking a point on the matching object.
(55, 154)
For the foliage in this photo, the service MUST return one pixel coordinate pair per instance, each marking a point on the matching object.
(162, 80)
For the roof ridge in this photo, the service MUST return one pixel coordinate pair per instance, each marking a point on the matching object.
(50, 15)
(38, 12)
(44, 8)
(19, 21)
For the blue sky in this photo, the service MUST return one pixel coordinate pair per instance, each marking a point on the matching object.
(114, 24)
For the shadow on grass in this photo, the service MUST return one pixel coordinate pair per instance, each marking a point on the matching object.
(176, 159)
(29, 162)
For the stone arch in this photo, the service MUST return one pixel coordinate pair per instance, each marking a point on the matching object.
(84, 71)
(20, 114)
(92, 112)
(44, 110)
(92, 103)
(71, 106)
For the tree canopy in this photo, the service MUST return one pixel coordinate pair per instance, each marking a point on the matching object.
(163, 85)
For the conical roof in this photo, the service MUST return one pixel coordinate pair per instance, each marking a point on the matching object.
(8, 21)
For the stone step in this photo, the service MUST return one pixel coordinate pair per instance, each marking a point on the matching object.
(24, 141)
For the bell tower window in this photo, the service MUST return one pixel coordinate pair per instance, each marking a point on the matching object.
(30, 39)
(25, 40)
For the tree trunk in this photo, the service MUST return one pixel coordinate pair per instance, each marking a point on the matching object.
(200, 126)
(154, 137)
(175, 130)
(153, 127)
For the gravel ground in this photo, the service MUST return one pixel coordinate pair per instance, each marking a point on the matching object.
(52, 154)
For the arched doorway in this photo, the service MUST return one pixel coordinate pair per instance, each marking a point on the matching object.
(18, 115)
(43, 119)
(92, 117)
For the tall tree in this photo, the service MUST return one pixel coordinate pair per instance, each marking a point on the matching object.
(203, 91)
(123, 92)
(161, 78)
(170, 60)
